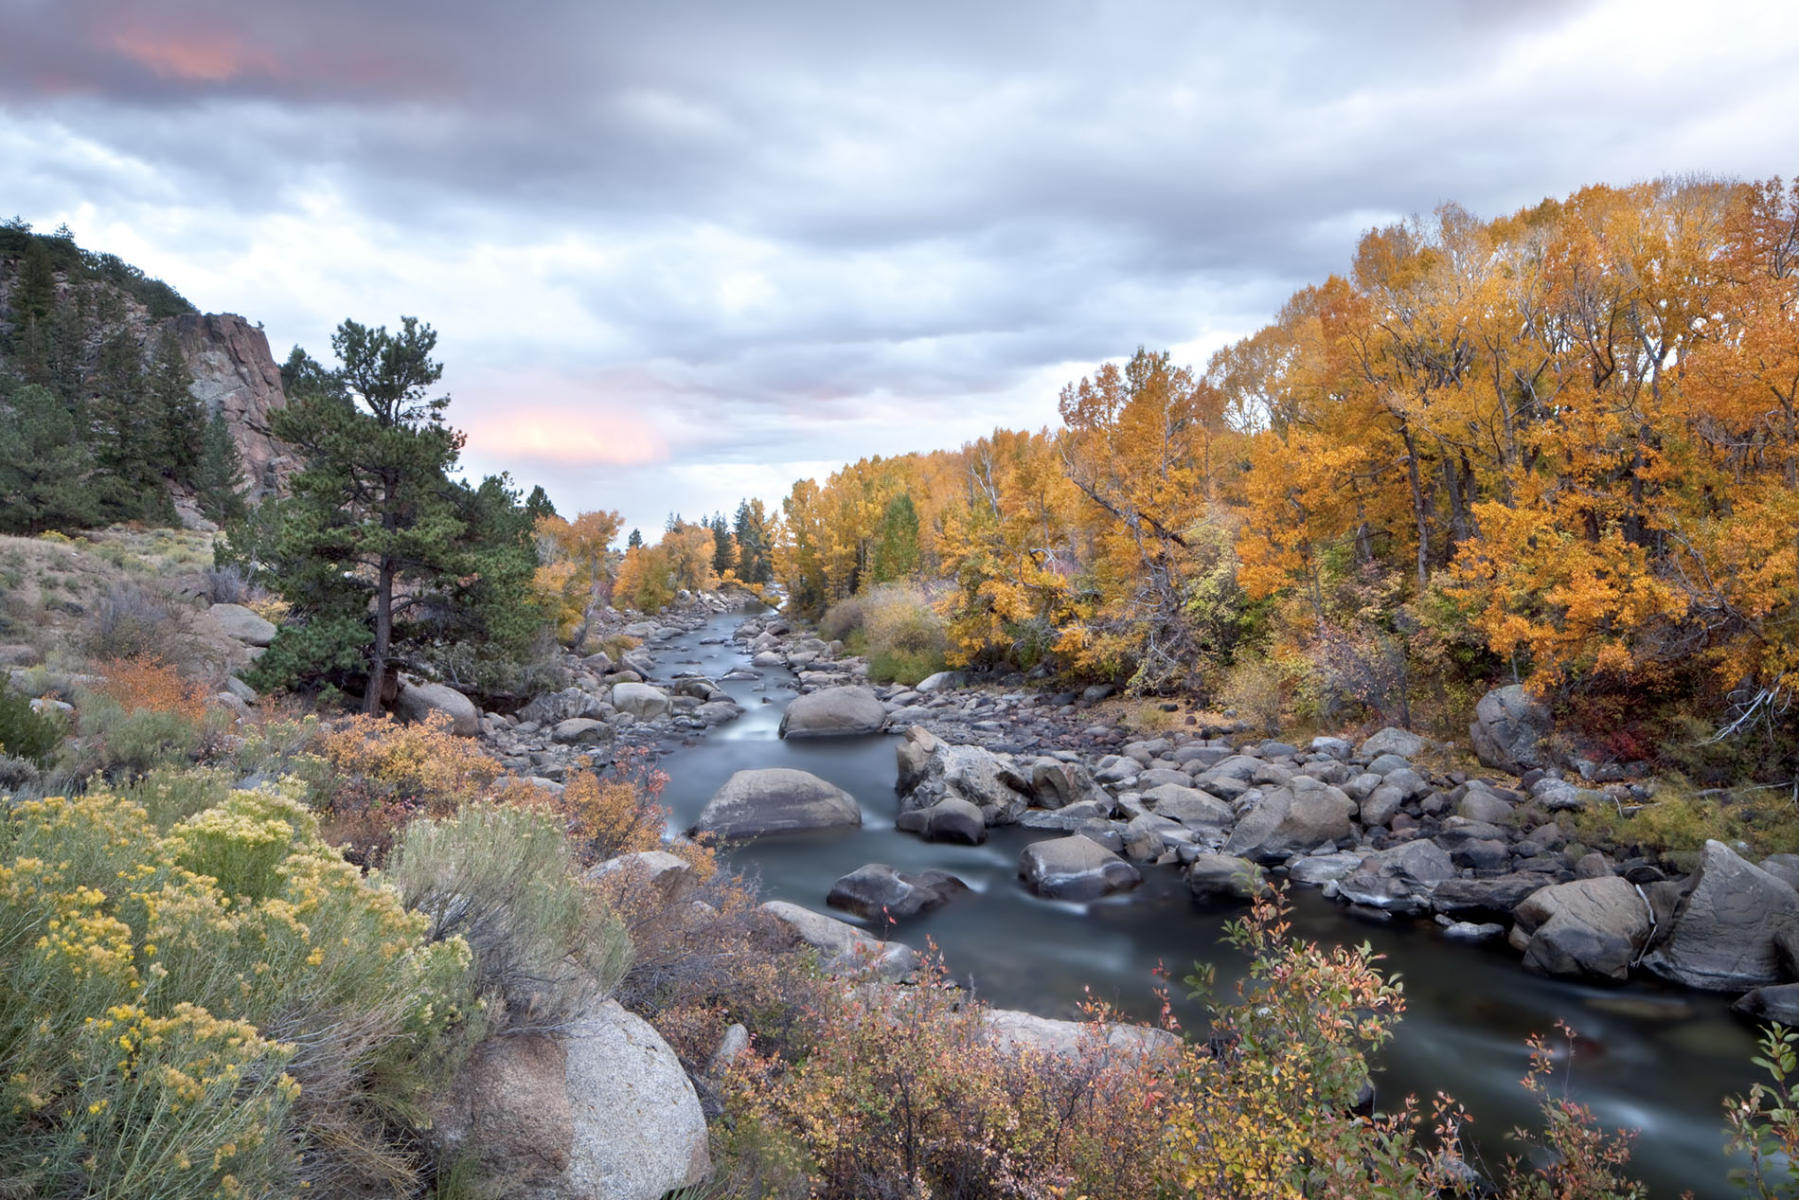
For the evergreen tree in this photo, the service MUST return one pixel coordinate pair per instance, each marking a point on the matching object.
(377, 549)
(218, 476)
(538, 505)
(125, 437)
(44, 465)
(724, 554)
(896, 540)
(635, 541)
(178, 419)
(755, 552)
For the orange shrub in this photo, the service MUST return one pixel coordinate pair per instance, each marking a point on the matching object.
(383, 773)
(146, 682)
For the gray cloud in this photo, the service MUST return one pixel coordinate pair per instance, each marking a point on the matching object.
(740, 225)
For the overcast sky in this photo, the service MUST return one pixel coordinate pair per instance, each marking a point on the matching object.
(679, 253)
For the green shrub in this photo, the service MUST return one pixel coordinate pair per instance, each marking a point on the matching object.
(503, 880)
(27, 734)
(126, 745)
(172, 794)
(904, 636)
(168, 1037)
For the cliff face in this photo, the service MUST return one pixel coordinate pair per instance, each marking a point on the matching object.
(235, 374)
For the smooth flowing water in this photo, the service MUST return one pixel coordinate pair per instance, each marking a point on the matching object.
(1656, 1060)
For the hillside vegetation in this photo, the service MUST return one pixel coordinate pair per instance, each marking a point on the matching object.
(1560, 446)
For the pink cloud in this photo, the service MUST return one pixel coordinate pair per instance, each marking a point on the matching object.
(202, 57)
(567, 437)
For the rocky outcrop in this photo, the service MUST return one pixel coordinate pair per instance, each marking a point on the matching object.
(603, 1112)
(1726, 933)
(1510, 730)
(834, 712)
(235, 374)
(776, 800)
(1075, 868)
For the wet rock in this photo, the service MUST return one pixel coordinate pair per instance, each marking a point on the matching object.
(1075, 868)
(1777, 1003)
(834, 712)
(877, 892)
(931, 770)
(949, 820)
(776, 800)
(1224, 877)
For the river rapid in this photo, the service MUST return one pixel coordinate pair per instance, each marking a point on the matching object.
(1649, 1058)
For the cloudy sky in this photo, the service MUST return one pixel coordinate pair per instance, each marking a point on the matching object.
(678, 253)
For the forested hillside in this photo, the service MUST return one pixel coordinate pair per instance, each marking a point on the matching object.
(99, 421)
(1560, 445)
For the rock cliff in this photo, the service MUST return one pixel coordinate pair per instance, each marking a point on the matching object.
(234, 373)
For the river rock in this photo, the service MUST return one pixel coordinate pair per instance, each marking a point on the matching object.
(943, 681)
(1190, 806)
(877, 892)
(1391, 740)
(236, 621)
(1057, 784)
(1777, 1003)
(1075, 868)
(552, 708)
(1725, 934)
(1016, 1030)
(1510, 730)
(580, 731)
(1316, 870)
(1288, 820)
(641, 700)
(842, 948)
(834, 712)
(931, 770)
(669, 877)
(417, 701)
(1496, 896)
(776, 800)
(1590, 928)
(951, 819)
(603, 1110)
(1224, 876)
(1398, 879)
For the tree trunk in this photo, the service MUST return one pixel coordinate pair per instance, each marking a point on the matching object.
(376, 690)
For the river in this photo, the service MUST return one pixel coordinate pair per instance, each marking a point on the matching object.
(1657, 1060)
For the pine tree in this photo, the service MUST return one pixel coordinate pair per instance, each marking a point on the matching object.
(125, 437)
(44, 465)
(635, 541)
(379, 551)
(178, 419)
(724, 554)
(218, 475)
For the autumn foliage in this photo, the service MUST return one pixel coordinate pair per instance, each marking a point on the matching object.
(1562, 443)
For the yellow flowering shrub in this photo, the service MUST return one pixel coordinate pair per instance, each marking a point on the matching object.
(224, 1009)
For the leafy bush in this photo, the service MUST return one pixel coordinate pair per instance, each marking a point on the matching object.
(1255, 687)
(502, 880)
(224, 1010)
(1580, 1160)
(380, 774)
(24, 733)
(1764, 1125)
(904, 635)
(169, 795)
(122, 745)
(903, 1093)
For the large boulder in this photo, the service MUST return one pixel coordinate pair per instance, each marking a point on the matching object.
(602, 1112)
(776, 800)
(1075, 868)
(1190, 806)
(552, 708)
(1398, 879)
(1497, 895)
(842, 948)
(833, 712)
(668, 877)
(641, 700)
(1510, 730)
(1057, 784)
(1223, 876)
(417, 701)
(1587, 928)
(1302, 815)
(236, 621)
(1726, 932)
(877, 892)
(931, 770)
